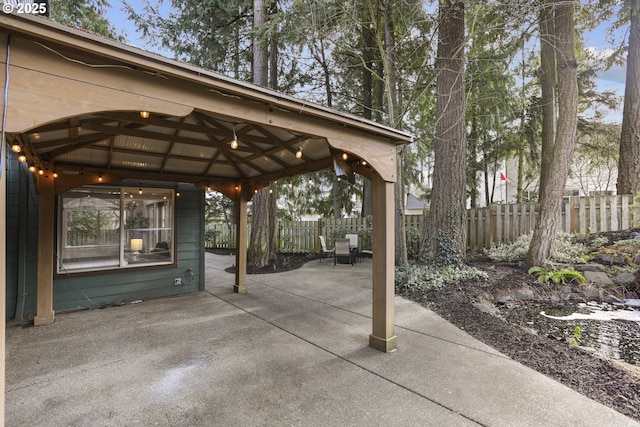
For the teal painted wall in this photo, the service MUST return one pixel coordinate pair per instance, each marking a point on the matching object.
(22, 239)
(97, 290)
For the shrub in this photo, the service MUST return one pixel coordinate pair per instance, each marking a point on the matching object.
(565, 250)
(563, 275)
(421, 277)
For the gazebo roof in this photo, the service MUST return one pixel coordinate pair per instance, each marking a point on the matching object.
(78, 101)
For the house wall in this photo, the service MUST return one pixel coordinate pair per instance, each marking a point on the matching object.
(22, 239)
(97, 289)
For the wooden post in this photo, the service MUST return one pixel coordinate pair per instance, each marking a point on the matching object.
(614, 213)
(383, 337)
(3, 272)
(240, 286)
(46, 214)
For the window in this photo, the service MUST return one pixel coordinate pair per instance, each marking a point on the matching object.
(102, 228)
(601, 193)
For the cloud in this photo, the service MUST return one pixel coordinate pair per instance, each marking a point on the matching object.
(617, 75)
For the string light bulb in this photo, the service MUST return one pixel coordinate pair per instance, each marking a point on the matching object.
(22, 158)
(140, 190)
(100, 177)
(299, 153)
(144, 114)
(344, 156)
(15, 147)
(234, 141)
(40, 171)
(32, 167)
(55, 174)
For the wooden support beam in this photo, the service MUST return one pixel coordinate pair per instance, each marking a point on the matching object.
(240, 286)
(383, 337)
(3, 274)
(46, 225)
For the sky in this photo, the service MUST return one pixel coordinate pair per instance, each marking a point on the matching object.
(613, 79)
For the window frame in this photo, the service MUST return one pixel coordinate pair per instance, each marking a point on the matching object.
(158, 200)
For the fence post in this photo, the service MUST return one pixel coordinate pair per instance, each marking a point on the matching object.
(614, 213)
(582, 215)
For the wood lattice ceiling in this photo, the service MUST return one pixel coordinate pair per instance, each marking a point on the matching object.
(195, 148)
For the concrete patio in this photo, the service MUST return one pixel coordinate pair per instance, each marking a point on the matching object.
(293, 351)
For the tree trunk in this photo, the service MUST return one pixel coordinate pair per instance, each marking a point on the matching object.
(394, 118)
(260, 51)
(335, 197)
(566, 72)
(548, 87)
(629, 159)
(446, 231)
(368, 49)
(262, 245)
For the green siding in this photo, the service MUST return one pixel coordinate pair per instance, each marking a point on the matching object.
(97, 290)
(21, 239)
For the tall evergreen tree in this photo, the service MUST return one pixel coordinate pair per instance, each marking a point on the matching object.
(85, 14)
(557, 170)
(629, 159)
(446, 236)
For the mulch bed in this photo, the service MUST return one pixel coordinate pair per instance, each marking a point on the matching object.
(586, 372)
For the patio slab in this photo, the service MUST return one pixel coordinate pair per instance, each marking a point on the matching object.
(293, 351)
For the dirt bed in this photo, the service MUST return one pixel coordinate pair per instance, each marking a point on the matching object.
(584, 371)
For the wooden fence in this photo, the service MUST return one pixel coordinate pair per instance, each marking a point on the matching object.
(498, 224)
(487, 226)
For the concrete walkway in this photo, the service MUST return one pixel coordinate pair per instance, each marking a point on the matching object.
(291, 352)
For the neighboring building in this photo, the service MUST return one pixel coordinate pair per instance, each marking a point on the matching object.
(414, 206)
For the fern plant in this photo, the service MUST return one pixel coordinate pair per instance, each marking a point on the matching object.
(563, 275)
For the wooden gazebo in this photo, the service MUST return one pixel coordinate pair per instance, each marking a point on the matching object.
(86, 107)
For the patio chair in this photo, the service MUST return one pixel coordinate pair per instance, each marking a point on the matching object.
(324, 250)
(353, 244)
(342, 252)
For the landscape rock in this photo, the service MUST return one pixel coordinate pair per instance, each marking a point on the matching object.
(610, 259)
(523, 294)
(504, 300)
(613, 300)
(565, 289)
(628, 280)
(598, 278)
(486, 307)
(593, 293)
(589, 267)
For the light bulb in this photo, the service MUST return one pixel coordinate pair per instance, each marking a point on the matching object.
(234, 144)
(16, 148)
(144, 114)
(299, 153)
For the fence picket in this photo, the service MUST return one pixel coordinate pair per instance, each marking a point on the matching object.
(493, 225)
